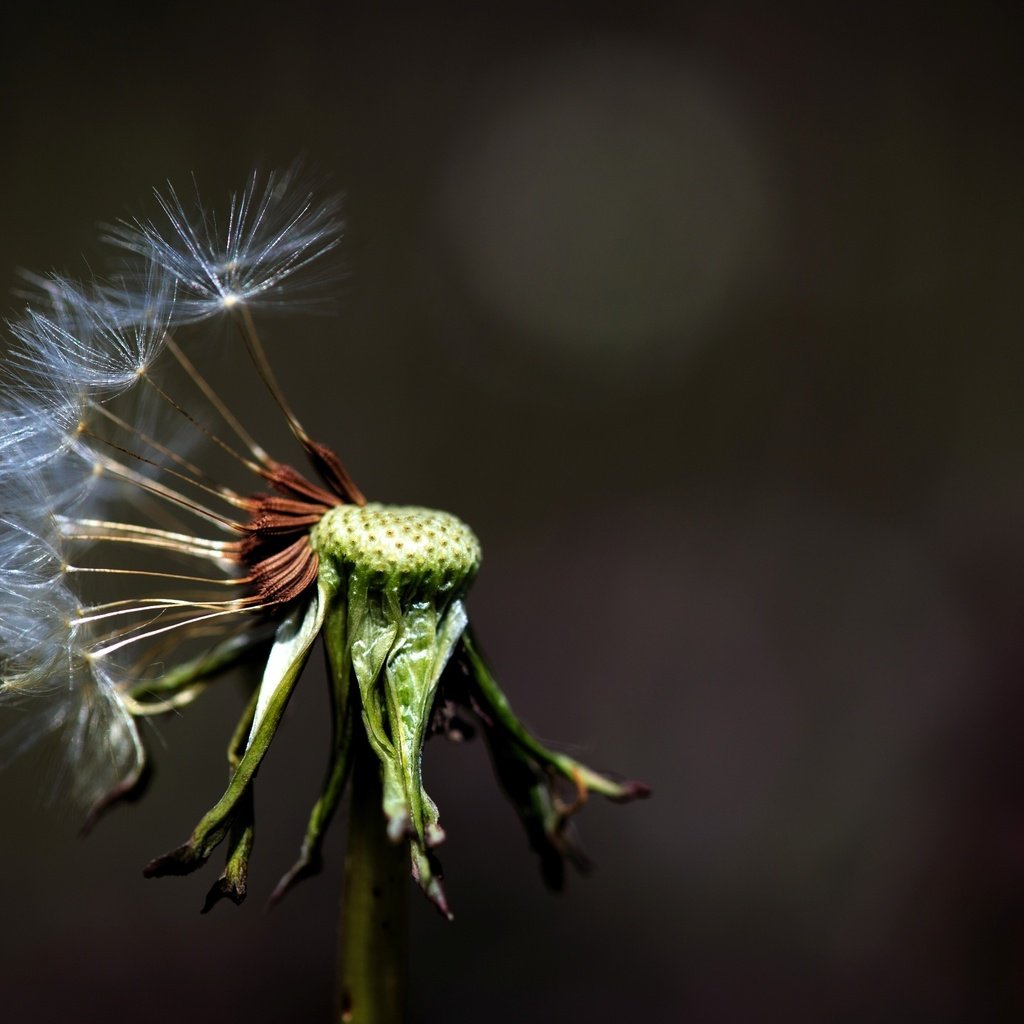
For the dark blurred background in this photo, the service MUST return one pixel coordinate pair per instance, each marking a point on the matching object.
(707, 317)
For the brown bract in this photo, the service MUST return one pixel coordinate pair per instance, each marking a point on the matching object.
(282, 564)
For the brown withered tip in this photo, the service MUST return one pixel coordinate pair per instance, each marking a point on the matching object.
(181, 861)
(306, 867)
(633, 790)
(127, 791)
(224, 889)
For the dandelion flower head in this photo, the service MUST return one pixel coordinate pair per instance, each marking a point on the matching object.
(149, 543)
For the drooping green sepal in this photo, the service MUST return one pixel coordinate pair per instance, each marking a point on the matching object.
(398, 652)
(292, 644)
(169, 692)
(339, 764)
(183, 683)
(529, 772)
(233, 882)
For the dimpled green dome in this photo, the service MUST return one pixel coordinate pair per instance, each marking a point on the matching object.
(397, 541)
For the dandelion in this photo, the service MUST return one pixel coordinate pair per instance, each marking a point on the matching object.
(135, 570)
(273, 230)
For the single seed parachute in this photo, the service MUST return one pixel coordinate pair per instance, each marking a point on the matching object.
(149, 544)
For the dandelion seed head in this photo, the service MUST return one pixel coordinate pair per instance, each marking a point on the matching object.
(36, 607)
(273, 231)
(134, 569)
(90, 476)
(102, 748)
(86, 340)
(44, 441)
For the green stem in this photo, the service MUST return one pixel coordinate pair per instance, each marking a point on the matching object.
(374, 914)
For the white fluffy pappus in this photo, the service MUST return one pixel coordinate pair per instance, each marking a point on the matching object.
(274, 228)
(98, 339)
(51, 682)
(120, 555)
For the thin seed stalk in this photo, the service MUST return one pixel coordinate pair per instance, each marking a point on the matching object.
(373, 953)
